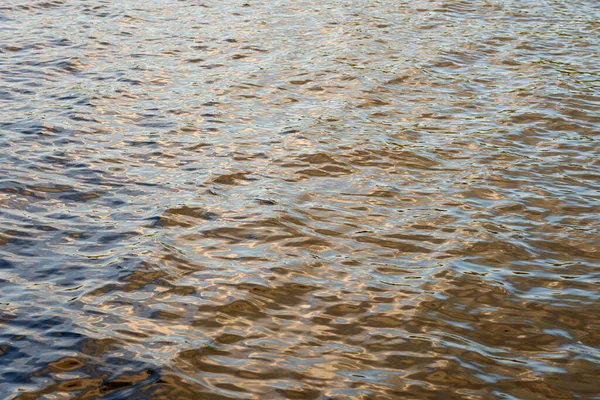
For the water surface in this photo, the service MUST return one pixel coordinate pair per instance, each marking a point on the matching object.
(301, 200)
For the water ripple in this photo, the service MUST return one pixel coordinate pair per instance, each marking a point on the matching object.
(297, 200)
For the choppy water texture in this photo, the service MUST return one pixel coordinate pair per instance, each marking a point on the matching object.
(340, 199)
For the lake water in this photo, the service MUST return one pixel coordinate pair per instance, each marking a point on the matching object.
(299, 200)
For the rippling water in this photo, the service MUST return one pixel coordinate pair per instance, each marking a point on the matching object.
(297, 199)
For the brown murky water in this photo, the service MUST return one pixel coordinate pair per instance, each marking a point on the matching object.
(301, 200)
